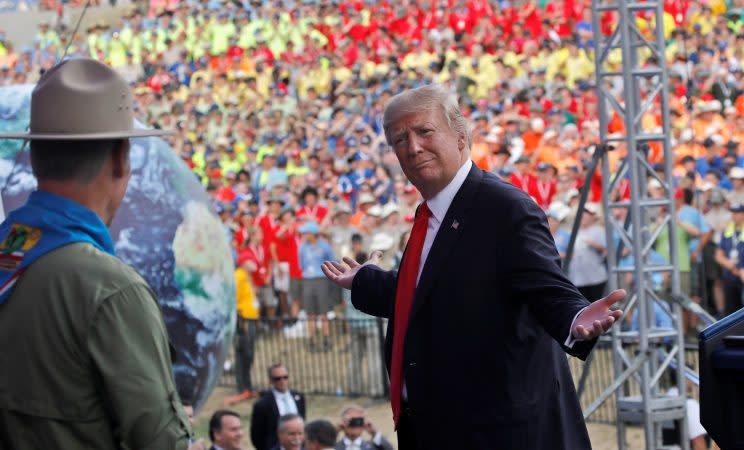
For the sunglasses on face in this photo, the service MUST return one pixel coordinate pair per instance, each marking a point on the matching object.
(280, 378)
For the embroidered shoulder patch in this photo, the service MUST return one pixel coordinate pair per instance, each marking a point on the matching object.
(20, 239)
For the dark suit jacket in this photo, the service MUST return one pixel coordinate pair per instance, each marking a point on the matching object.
(482, 362)
(368, 445)
(265, 419)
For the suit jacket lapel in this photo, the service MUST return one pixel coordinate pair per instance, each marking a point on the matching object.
(449, 232)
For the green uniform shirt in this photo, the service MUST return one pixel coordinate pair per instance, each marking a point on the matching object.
(85, 360)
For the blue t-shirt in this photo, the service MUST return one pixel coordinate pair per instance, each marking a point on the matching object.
(703, 165)
(561, 239)
(662, 319)
(312, 256)
(657, 277)
(692, 216)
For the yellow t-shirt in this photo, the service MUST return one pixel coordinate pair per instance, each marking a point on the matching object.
(245, 297)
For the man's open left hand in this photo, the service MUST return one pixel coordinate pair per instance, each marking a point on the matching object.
(597, 317)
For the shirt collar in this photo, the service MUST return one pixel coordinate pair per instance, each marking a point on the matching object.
(278, 394)
(358, 442)
(440, 203)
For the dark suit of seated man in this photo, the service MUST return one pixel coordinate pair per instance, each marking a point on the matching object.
(354, 423)
(480, 311)
(276, 402)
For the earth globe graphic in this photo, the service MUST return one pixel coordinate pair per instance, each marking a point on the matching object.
(166, 230)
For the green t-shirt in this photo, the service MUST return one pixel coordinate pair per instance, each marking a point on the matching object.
(683, 255)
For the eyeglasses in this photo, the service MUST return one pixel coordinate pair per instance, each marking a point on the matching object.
(280, 378)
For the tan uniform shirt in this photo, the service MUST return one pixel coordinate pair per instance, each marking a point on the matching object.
(84, 359)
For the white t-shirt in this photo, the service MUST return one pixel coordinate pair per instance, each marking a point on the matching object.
(694, 427)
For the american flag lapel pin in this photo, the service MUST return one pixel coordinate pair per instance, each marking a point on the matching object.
(455, 224)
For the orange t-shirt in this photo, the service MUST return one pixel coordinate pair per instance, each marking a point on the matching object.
(531, 141)
(547, 153)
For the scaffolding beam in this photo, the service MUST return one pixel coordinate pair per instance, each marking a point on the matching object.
(634, 61)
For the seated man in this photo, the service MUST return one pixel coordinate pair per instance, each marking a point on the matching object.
(277, 402)
(320, 435)
(291, 432)
(354, 422)
(225, 430)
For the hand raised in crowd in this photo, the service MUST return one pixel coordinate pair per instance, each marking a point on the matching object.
(597, 318)
(343, 275)
(370, 427)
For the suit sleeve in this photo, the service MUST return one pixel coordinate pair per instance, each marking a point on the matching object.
(128, 346)
(383, 444)
(301, 405)
(535, 275)
(258, 424)
(373, 291)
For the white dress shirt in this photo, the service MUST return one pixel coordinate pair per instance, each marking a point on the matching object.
(356, 444)
(285, 402)
(439, 205)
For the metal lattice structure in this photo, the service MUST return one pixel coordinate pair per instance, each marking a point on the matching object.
(631, 83)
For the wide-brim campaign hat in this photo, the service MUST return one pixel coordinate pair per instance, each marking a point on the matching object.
(82, 99)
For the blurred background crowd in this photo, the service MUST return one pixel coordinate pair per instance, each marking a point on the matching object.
(278, 104)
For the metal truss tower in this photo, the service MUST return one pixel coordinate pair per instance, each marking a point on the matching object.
(632, 83)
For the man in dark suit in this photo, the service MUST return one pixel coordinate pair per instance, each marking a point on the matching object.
(276, 402)
(225, 430)
(480, 308)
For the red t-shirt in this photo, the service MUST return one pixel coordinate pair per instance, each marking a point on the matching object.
(269, 227)
(520, 180)
(226, 194)
(317, 213)
(542, 192)
(287, 250)
(258, 257)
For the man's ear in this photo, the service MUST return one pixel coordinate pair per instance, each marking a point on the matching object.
(461, 141)
(120, 158)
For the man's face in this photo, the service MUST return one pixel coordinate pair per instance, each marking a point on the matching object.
(230, 435)
(292, 435)
(738, 218)
(429, 151)
(280, 379)
(275, 208)
(352, 429)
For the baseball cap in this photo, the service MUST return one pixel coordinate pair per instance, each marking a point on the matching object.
(309, 227)
(737, 173)
(717, 197)
(592, 208)
(736, 207)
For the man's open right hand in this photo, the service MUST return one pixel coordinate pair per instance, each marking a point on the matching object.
(343, 274)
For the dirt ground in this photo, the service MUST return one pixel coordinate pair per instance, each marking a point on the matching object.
(603, 437)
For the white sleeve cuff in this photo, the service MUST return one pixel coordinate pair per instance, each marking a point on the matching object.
(378, 438)
(570, 340)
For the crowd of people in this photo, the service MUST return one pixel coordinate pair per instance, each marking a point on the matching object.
(277, 422)
(278, 108)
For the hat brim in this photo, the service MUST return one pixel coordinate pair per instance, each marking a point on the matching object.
(86, 136)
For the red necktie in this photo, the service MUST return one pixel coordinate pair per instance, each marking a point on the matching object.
(403, 300)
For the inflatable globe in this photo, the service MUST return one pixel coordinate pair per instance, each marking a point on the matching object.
(166, 230)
